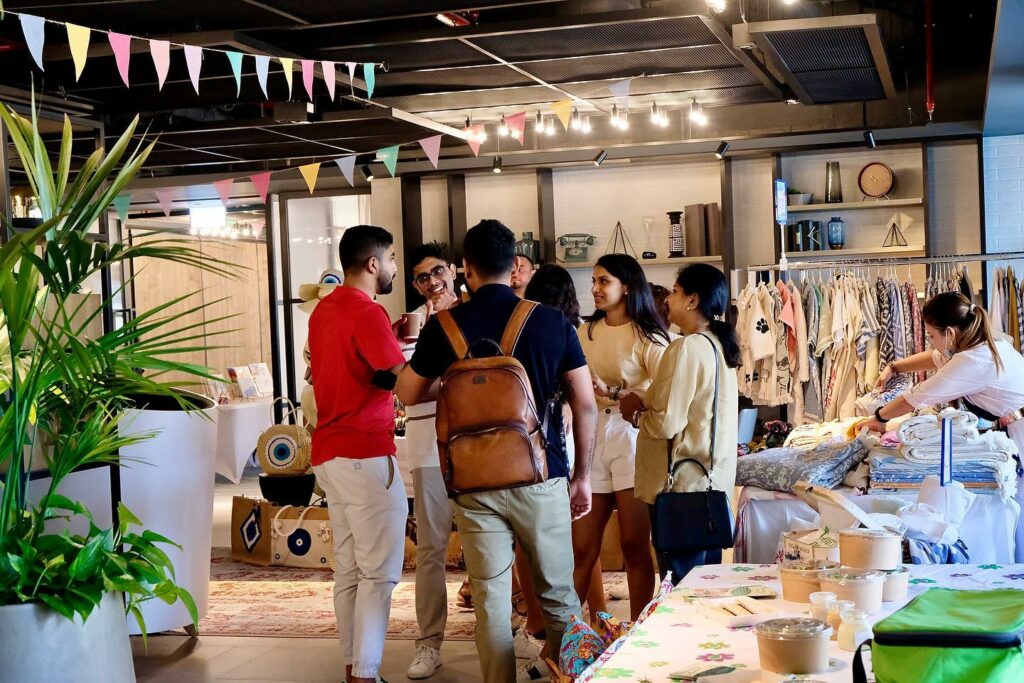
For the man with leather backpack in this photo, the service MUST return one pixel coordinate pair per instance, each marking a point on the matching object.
(505, 468)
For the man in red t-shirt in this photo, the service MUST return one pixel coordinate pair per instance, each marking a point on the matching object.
(353, 355)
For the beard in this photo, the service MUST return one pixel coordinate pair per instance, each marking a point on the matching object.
(385, 283)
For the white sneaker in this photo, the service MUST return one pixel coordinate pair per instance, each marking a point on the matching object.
(526, 647)
(425, 663)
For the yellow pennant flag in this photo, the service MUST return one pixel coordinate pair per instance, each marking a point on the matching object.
(78, 38)
(286, 64)
(310, 172)
(563, 109)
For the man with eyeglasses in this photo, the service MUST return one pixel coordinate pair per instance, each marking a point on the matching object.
(433, 276)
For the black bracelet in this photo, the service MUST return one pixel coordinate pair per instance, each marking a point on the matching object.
(878, 415)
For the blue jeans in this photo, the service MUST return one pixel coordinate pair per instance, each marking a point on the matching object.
(680, 563)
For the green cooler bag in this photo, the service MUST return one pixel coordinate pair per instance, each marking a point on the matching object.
(952, 636)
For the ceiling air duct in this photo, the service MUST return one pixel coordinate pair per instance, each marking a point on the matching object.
(824, 60)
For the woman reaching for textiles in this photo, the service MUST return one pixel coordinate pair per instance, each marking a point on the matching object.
(690, 409)
(970, 364)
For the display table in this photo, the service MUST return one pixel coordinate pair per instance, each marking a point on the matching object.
(988, 530)
(239, 425)
(676, 635)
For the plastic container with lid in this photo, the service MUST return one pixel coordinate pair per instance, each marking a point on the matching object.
(820, 604)
(897, 581)
(854, 629)
(870, 548)
(800, 578)
(863, 586)
(793, 645)
(835, 611)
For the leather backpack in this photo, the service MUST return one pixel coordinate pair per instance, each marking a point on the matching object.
(489, 433)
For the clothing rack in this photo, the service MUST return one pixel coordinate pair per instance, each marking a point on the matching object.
(887, 261)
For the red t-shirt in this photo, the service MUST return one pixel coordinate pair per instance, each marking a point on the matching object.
(350, 338)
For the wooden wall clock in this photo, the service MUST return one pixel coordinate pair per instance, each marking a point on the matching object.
(876, 180)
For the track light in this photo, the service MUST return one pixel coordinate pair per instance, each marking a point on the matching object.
(503, 127)
(697, 114)
(496, 165)
(601, 156)
(574, 122)
(549, 127)
(869, 139)
(723, 147)
(585, 126)
(367, 173)
(539, 122)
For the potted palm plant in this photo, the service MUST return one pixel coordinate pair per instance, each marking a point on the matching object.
(65, 582)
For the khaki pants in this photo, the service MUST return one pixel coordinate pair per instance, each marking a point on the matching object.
(489, 523)
(433, 527)
(367, 506)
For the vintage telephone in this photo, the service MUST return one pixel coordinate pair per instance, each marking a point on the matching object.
(576, 245)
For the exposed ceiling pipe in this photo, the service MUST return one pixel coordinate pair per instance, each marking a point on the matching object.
(929, 69)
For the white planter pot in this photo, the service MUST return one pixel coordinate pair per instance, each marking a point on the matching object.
(167, 482)
(38, 645)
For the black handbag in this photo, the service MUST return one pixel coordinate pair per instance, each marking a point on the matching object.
(698, 520)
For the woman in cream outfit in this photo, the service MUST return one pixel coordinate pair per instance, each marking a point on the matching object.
(682, 405)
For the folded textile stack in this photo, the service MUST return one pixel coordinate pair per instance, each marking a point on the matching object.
(890, 472)
(778, 469)
(813, 435)
(926, 430)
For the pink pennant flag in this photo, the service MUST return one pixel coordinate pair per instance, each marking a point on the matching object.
(194, 59)
(329, 77)
(165, 196)
(474, 137)
(351, 66)
(122, 47)
(432, 147)
(261, 181)
(307, 76)
(516, 125)
(161, 52)
(347, 166)
(223, 188)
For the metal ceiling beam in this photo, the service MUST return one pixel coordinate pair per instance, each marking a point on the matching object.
(745, 59)
(278, 11)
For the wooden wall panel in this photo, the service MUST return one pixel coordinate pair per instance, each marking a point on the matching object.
(262, 277)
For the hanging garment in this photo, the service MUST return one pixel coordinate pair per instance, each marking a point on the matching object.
(895, 322)
(917, 323)
(908, 323)
(887, 340)
(801, 373)
(965, 283)
(783, 368)
(997, 302)
(813, 410)
(1013, 308)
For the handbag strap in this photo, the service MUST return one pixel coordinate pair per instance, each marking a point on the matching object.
(673, 468)
(289, 414)
(298, 522)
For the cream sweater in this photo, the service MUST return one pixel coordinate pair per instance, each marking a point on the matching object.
(620, 356)
(679, 407)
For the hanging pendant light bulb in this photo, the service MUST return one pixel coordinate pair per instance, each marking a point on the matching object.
(503, 127)
(539, 122)
(574, 122)
(549, 127)
(585, 126)
(716, 6)
(624, 120)
(663, 119)
(697, 114)
(655, 114)
(615, 116)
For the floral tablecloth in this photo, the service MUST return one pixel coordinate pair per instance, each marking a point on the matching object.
(677, 636)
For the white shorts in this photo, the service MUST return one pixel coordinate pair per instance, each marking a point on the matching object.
(614, 453)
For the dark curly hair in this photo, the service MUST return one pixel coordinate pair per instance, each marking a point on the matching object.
(552, 286)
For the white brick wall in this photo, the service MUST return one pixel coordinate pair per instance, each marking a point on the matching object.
(1004, 192)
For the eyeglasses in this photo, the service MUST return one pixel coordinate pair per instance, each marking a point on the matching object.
(424, 279)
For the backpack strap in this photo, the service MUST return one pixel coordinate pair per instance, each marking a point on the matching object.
(514, 328)
(455, 337)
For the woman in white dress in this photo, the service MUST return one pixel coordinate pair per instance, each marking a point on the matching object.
(969, 363)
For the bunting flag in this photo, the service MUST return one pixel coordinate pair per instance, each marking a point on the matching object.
(165, 196)
(194, 60)
(309, 173)
(287, 63)
(347, 166)
(389, 155)
(78, 41)
(351, 66)
(329, 77)
(516, 125)
(223, 188)
(262, 69)
(307, 77)
(121, 203)
(121, 44)
(474, 137)
(33, 29)
(620, 89)
(161, 53)
(432, 147)
(236, 68)
(261, 181)
(370, 78)
(563, 110)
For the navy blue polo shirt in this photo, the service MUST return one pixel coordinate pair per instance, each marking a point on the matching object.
(548, 348)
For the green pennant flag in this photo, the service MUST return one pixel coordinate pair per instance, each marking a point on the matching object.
(236, 68)
(121, 203)
(389, 155)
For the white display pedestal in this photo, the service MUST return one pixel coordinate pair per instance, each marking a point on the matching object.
(167, 481)
(239, 425)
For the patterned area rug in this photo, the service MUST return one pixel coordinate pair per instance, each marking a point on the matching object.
(247, 600)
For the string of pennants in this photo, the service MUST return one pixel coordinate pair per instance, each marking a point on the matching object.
(79, 38)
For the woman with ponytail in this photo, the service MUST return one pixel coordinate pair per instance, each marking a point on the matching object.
(691, 404)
